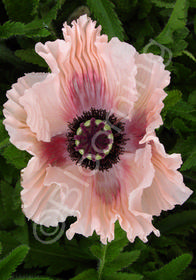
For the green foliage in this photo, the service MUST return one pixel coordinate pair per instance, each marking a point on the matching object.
(171, 270)
(172, 25)
(112, 259)
(30, 56)
(36, 28)
(16, 157)
(164, 4)
(104, 12)
(176, 22)
(51, 14)
(21, 10)
(34, 278)
(90, 274)
(10, 211)
(8, 265)
(177, 221)
(170, 101)
(190, 55)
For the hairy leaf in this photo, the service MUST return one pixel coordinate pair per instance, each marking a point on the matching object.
(164, 4)
(16, 157)
(123, 260)
(177, 221)
(90, 274)
(21, 10)
(172, 98)
(190, 161)
(8, 265)
(176, 21)
(35, 28)
(30, 56)
(104, 12)
(171, 270)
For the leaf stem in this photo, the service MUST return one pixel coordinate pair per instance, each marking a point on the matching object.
(102, 263)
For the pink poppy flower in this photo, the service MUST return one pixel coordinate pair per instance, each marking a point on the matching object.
(90, 127)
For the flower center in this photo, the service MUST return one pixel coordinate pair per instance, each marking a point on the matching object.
(94, 139)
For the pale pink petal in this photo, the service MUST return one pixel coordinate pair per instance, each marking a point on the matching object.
(167, 188)
(93, 72)
(151, 79)
(85, 67)
(120, 68)
(109, 199)
(97, 199)
(55, 54)
(15, 115)
(48, 194)
(80, 68)
(45, 116)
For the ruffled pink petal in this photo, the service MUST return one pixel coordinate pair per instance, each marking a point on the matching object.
(167, 188)
(45, 116)
(110, 198)
(15, 115)
(49, 195)
(120, 68)
(80, 69)
(93, 73)
(52, 193)
(151, 79)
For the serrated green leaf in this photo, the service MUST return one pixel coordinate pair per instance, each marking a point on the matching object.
(97, 251)
(4, 139)
(36, 28)
(13, 238)
(16, 157)
(90, 274)
(173, 96)
(123, 260)
(104, 12)
(190, 161)
(8, 264)
(10, 211)
(184, 110)
(51, 14)
(30, 56)
(176, 21)
(123, 276)
(56, 257)
(164, 4)
(177, 221)
(6, 55)
(21, 10)
(171, 270)
(180, 126)
(114, 248)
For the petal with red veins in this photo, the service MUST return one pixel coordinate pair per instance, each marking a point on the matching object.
(80, 68)
(45, 116)
(167, 188)
(109, 199)
(151, 79)
(15, 115)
